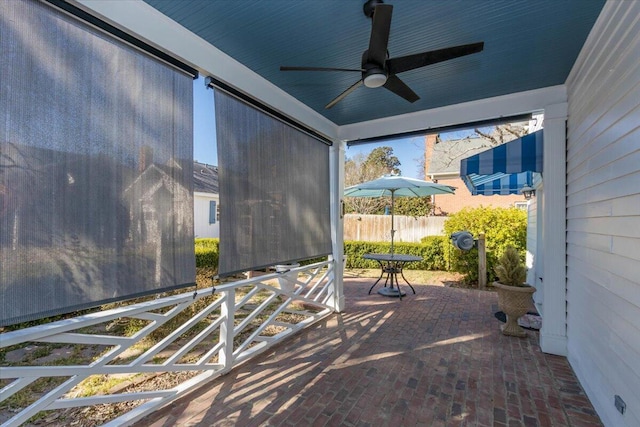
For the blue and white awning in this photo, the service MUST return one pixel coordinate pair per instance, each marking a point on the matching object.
(504, 169)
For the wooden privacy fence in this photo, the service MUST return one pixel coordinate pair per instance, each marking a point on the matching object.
(377, 228)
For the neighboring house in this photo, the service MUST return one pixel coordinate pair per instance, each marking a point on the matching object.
(153, 190)
(442, 165)
(206, 200)
(154, 187)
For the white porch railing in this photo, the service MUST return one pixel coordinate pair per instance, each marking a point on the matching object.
(202, 336)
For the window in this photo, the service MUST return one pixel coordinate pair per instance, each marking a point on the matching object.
(212, 212)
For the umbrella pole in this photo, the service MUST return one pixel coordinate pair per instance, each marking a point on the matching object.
(392, 213)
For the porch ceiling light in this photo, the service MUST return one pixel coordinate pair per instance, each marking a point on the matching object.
(374, 77)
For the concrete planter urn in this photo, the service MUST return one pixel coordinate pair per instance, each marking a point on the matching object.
(515, 302)
(515, 297)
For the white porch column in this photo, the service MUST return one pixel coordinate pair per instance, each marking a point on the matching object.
(336, 175)
(553, 335)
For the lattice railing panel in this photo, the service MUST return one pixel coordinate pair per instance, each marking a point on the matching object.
(169, 345)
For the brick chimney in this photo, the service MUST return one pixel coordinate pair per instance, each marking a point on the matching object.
(146, 158)
(429, 143)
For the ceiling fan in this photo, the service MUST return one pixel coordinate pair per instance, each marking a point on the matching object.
(378, 69)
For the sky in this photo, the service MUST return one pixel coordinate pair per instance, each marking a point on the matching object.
(410, 151)
(204, 124)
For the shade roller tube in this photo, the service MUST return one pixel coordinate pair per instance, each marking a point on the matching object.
(217, 84)
(126, 37)
(274, 189)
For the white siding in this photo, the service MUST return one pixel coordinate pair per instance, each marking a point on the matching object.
(603, 214)
(202, 228)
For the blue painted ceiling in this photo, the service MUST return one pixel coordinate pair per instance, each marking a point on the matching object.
(529, 44)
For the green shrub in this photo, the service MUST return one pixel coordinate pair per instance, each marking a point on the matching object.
(207, 250)
(502, 227)
(510, 269)
(431, 249)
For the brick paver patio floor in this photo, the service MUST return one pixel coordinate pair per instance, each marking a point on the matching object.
(436, 358)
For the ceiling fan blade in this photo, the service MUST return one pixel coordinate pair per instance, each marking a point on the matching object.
(284, 68)
(411, 62)
(397, 86)
(380, 34)
(344, 94)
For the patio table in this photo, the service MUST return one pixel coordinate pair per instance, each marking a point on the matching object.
(392, 265)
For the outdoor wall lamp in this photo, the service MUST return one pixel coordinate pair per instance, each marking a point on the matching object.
(528, 192)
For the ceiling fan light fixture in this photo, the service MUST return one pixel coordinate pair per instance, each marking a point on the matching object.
(375, 79)
(378, 69)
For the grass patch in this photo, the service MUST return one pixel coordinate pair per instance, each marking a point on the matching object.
(99, 385)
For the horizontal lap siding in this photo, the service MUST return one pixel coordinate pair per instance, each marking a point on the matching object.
(603, 214)
(202, 228)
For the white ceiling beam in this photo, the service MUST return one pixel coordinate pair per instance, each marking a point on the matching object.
(467, 112)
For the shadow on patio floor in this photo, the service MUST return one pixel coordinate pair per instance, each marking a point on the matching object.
(436, 358)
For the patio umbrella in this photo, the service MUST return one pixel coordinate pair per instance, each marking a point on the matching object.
(397, 186)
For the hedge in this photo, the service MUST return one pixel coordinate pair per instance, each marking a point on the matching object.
(502, 227)
(207, 252)
(431, 249)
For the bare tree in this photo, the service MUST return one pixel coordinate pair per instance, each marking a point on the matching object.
(502, 133)
(498, 135)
